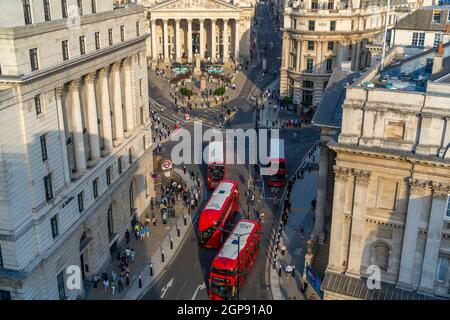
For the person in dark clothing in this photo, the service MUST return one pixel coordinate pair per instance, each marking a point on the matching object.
(313, 205)
(127, 236)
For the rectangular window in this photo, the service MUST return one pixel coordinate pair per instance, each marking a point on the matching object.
(119, 165)
(110, 36)
(130, 155)
(438, 38)
(82, 45)
(43, 147)
(310, 45)
(314, 5)
(37, 104)
(97, 40)
(95, 187)
(80, 7)
(437, 16)
(421, 39)
(47, 15)
(1, 258)
(308, 84)
(330, 5)
(48, 188)
(54, 225)
(312, 25)
(442, 269)
(94, 6)
(81, 201)
(330, 45)
(61, 289)
(64, 8)
(122, 33)
(140, 88)
(141, 113)
(418, 39)
(34, 59)
(27, 12)
(137, 29)
(108, 176)
(309, 65)
(65, 50)
(329, 65)
(332, 25)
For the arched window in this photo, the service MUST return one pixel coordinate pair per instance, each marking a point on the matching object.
(110, 221)
(380, 255)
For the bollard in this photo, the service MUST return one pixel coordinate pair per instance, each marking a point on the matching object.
(279, 270)
(151, 269)
(184, 219)
(162, 256)
(178, 231)
(140, 282)
(171, 243)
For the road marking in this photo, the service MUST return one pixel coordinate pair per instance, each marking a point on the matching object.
(200, 287)
(166, 287)
(182, 288)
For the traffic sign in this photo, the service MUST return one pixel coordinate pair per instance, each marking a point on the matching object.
(167, 165)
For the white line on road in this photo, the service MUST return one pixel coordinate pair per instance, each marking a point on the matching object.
(200, 287)
(166, 287)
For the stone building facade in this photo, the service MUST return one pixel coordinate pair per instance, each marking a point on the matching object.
(319, 35)
(215, 30)
(75, 145)
(390, 205)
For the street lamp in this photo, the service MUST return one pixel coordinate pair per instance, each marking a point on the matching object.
(239, 249)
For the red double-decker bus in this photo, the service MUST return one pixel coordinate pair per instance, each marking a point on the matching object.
(277, 160)
(218, 212)
(215, 164)
(234, 261)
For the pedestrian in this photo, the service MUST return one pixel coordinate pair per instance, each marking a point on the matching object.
(279, 270)
(120, 283)
(137, 231)
(104, 276)
(293, 271)
(106, 285)
(113, 287)
(95, 280)
(127, 236)
(132, 254)
(142, 233)
(152, 203)
(113, 276)
(154, 221)
(305, 287)
(313, 205)
(288, 271)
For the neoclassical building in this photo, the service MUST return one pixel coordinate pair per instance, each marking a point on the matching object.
(75, 143)
(391, 180)
(319, 35)
(215, 30)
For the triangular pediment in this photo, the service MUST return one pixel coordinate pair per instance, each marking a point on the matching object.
(195, 5)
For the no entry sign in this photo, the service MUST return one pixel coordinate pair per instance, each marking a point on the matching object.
(167, 165)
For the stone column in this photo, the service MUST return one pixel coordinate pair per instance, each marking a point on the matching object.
(94, 139)
(189, 40)
(77, 127)
(353, 54)
(117, 102)
(340, 185)
(417, 190)
(362, 179)
(177, 41)
(202, 38)
(129, 112)
(299, 55)
(318, 232)
(342, 53)
(225, 40)
(358, 56)
(166, 41)
(154, 42)
(236, 40)
(285, 52)
(62, 134)
(106, 110)
(213, 40)
(318, 63)
(434, 235)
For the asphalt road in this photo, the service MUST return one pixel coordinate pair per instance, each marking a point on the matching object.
(186, 277)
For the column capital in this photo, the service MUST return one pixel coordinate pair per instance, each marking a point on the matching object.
(361, 176)
(116, 66)
(74, 85)
(418, 186)
(440, 190)
(59, 91)
(90, 77)
(341, 173)
(104, 71)
(127, 61)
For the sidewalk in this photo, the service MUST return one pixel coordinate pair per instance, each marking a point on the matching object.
(303, 192)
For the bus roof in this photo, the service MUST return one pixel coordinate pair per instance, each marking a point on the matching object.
(219, 196)
(277, 149)
(211, 212)
(215, 152)
(230, 248)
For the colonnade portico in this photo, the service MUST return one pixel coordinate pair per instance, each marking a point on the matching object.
(108, 127)
(183, 38)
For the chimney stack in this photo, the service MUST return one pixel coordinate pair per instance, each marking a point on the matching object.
(438, 58)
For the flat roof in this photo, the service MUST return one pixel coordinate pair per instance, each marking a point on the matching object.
(230, 247)
(219, 196)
